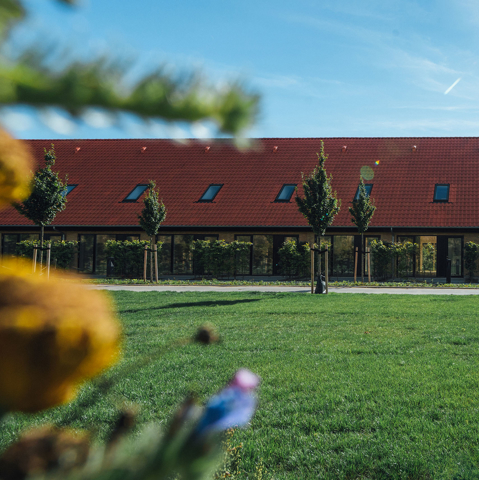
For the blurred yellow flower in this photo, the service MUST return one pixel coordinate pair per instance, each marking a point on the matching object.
(16, 163)
(53, 334)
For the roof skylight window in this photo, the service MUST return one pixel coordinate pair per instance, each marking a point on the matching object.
(210, 193)
(369, 187)
(441, 193)
(135, 194)
(68, 189)
(285, 193)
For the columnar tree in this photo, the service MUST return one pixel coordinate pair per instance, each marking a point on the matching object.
(319, 205)
(362, 212)
(47, 198)
(151, 217)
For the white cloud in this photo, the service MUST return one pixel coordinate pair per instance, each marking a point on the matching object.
(15, 121)
(97, 118)
(57, 122)
(201, 130)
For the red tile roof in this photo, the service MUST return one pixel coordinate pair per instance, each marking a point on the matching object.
(106, 171)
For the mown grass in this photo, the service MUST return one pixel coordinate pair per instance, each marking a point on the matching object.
(353, 386)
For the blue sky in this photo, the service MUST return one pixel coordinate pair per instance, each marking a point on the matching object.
(323, 68)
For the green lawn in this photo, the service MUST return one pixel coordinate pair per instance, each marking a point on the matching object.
(353, 386)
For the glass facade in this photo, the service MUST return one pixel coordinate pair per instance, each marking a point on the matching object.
(86, 253)
(454, 252)
(262, 255)
(183, 254)
(176, 255)
(426, 260)
(343, 255)
(164, 256)
(100, 259)
(406, 262)
(130, 238)
(10, 240)
(244, 260)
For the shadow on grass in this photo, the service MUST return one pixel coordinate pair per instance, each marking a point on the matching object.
(221, 303)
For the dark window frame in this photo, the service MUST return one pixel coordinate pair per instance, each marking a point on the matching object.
(201, 200)
(370, 185)
(126, 200)
(437, 200)
(278, 200)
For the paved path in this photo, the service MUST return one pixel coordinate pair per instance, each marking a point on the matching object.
(370, 290)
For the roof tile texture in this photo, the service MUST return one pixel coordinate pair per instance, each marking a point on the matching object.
(106, 171)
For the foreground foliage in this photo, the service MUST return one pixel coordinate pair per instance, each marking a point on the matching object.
(29, 79)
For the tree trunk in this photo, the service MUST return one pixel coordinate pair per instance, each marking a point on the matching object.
(318, 283)
(41, 246)
(363, 257)
(151, 258)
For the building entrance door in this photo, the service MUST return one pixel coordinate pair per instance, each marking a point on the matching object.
(452, 248)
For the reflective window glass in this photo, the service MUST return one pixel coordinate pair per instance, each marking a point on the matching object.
(243, 259)
(86, 253)
(286, 193)
(454, 252)
(441, 193)
(368, 186)
(427, 257)
(183, 254)
(164, 256)
(343, 255)
(135, 193)
(210, 193)
(262, 254)
(100, 261)
(68, 189)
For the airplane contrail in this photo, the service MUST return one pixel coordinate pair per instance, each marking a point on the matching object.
(452, 86)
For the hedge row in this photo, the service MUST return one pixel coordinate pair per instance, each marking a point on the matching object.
(219, 258)
(128, 256)
(397, 259)
(62, 252)
(471, 254)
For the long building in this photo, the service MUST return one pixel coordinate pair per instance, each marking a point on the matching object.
(425, 190)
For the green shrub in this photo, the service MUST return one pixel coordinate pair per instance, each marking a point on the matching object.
(62, 252)
(217, 258)
(383, 255)
(405, 254)
(128, 256)
(294, 259)
(471, 254)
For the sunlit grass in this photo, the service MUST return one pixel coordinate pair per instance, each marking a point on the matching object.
(354, 386)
